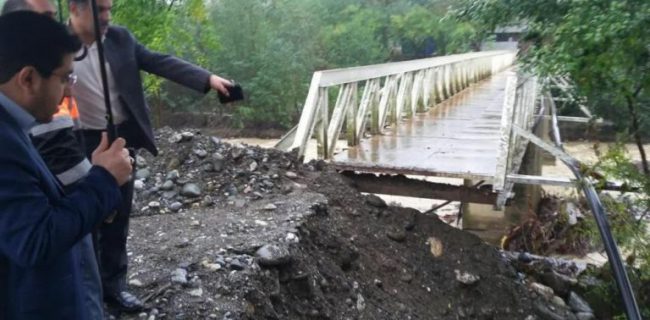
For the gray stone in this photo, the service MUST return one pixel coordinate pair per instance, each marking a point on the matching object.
(179, 276)
(236, 153)
(291, 175)
(198, 292)
(558, 302)
(191, 190)
(253, 166)
(216, 141)
(172, 175)
(542, 290)
(396, 235)
(154, 205)
(560, 283)
(176, 206)
(273, 255)
(544, 313)
(187, 136)
(361, 303)
(466, 278)
(140, 161)
(138, 185)
(578, 304)
(208, 167)
(168, 185)
(237, 265)
(207, 201)
(169, 194)
(200, 153)
(175, 138)
(142, 174)
(375, 201)
(270, 207)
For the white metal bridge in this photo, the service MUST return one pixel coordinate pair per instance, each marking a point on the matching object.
(459, 116)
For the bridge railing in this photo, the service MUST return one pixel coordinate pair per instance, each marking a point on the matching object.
(369, 98)
(518, 114)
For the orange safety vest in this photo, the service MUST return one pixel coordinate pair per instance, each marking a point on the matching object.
(68, 107)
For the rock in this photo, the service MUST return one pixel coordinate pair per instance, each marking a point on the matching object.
(397, 235)
(578, 304)
(270, 207)
(175, 138)
(208, 167)
(436, 247)
(585, 316)
(135, 283)
(544, 313)
(261, 223)
(375, 201)
(253, 166)
(154, 205)
(168, 185)
(248, 190)
(172, 175)
(138, 185)
(198, 292)
(179, 276)
(169, 194)
(173, 163)
(361, 303)
(216, 141)
(524, 257)
(207, 201)
(200, 153)
(186, 136)
(542, 290)
(191, 190)
(560, 283)
(558, 302)
(292, 238)
(466, 278)
(236, 153)
(176, 206)
(142, 174)
(291, 175)
(272, 256)
(237, 265)
(140, 161)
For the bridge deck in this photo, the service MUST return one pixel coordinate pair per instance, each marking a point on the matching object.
(457, 138)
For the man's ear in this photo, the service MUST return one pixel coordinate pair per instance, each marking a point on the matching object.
(28, 79)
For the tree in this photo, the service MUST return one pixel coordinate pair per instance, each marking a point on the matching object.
(602, 45)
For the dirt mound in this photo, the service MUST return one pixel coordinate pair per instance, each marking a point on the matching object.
(259, 235)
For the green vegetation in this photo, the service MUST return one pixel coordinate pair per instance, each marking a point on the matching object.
(273, 47)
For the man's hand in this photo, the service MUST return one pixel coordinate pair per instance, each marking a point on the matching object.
(115, 159)
(220, 84)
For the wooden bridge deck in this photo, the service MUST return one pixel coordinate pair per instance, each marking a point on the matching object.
(457, 138)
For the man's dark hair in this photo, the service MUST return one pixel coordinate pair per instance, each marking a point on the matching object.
(32, 39)
(15, 5)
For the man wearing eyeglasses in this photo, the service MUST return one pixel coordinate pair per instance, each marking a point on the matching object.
(64, 155)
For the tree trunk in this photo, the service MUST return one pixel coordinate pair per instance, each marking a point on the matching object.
(637, 135)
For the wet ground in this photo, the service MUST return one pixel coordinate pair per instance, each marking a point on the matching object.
(225, 231)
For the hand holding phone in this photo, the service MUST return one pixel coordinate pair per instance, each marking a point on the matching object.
(235, 93)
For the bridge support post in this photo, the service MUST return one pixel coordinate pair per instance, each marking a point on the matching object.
(489, 224)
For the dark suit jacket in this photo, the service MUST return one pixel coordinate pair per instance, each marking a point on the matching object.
(40, 275)
(127, 58)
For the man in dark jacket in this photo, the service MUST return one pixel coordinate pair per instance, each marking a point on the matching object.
(64, 155)
(125, 58)
(40, 226)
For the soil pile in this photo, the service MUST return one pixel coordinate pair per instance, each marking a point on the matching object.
(238, 232)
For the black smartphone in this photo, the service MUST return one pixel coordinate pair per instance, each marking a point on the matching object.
(235, 92)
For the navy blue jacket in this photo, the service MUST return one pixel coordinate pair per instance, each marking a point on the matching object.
(40, 227)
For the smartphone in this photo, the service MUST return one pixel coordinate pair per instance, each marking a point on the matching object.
(235, 92)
